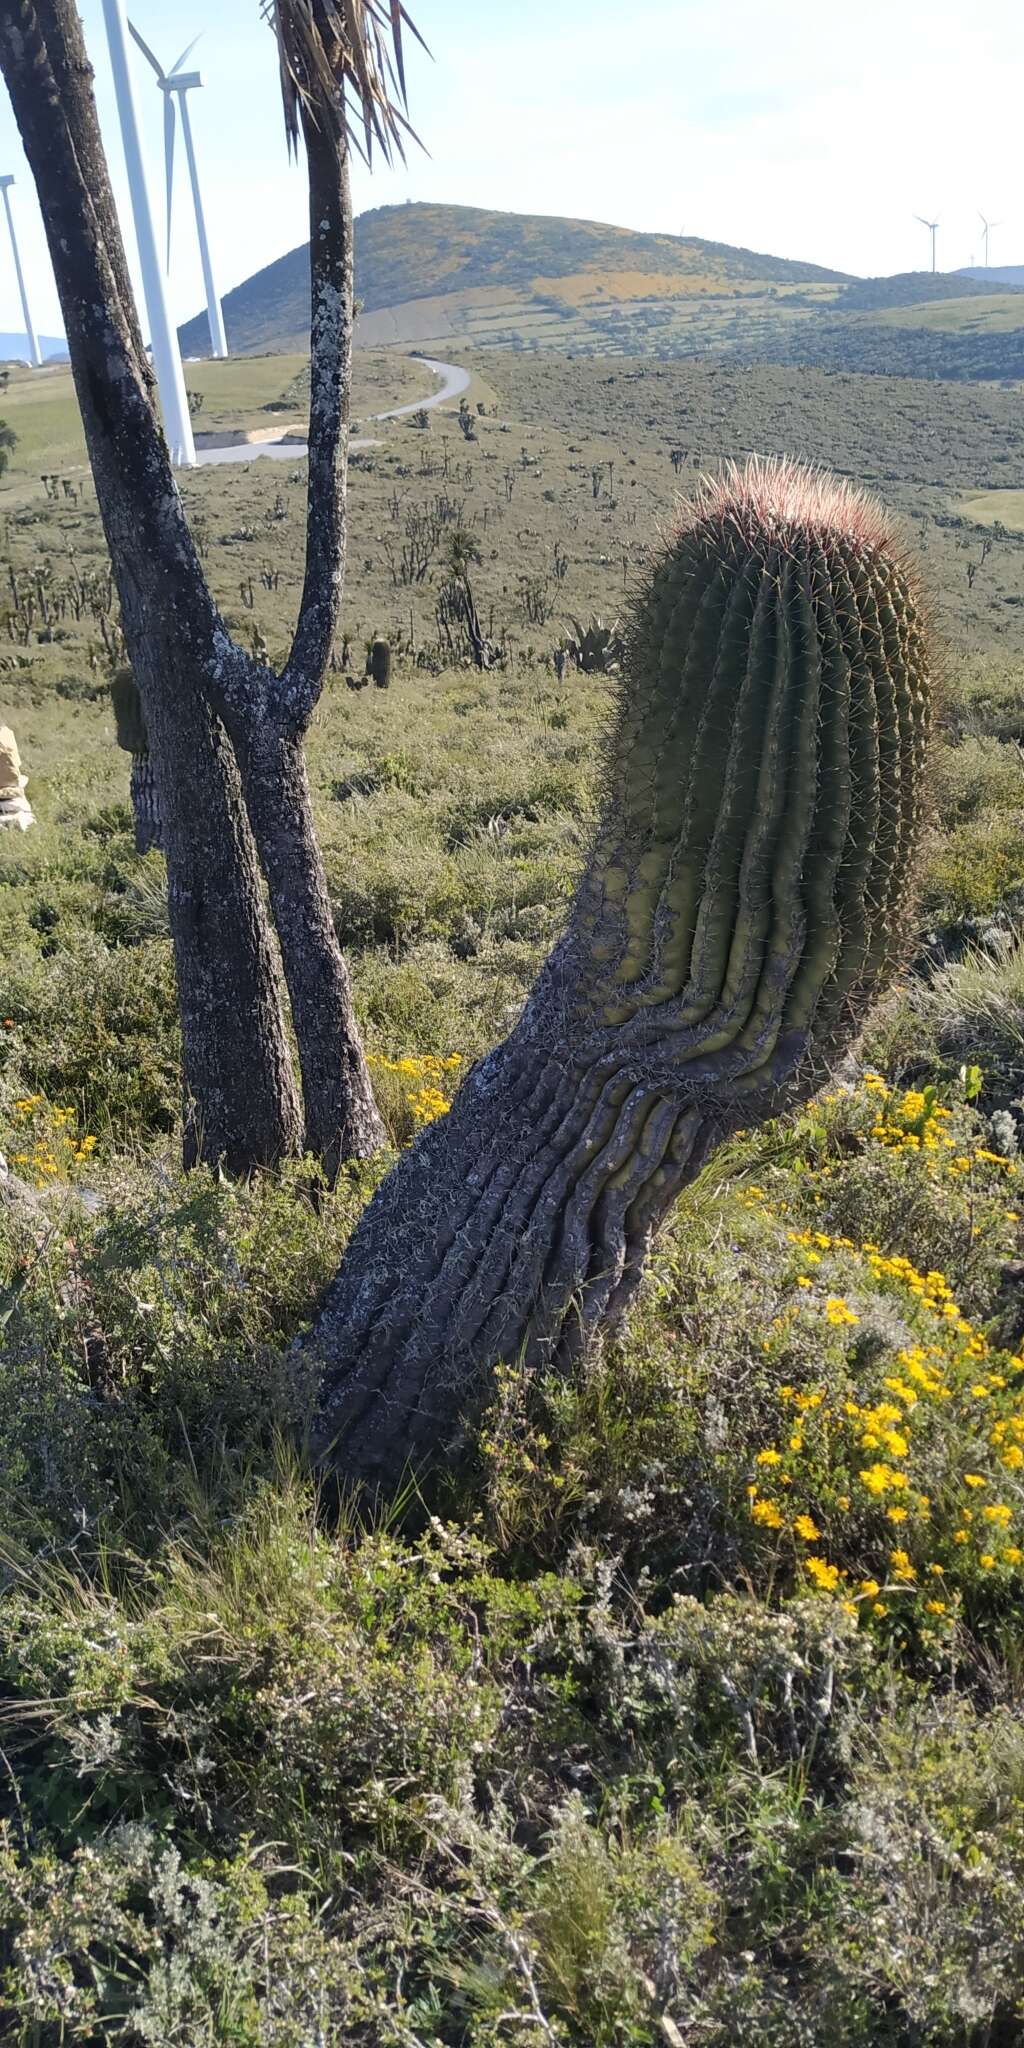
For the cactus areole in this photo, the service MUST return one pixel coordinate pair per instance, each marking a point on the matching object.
(746, 895)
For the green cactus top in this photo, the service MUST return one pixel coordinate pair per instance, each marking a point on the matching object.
(749, 879)
(129, 718)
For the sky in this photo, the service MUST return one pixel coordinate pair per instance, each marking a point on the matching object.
(813, 129)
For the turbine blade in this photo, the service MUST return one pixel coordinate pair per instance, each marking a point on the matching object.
(146, 51)
(169, 160)
(179, 61)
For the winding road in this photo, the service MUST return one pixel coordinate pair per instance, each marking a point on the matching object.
(453, 381)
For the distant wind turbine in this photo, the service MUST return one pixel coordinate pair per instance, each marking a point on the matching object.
(931, 225)
(33, 343)
(177, 83)
(987, 226)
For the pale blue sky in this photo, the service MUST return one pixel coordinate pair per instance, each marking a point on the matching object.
(799, 128)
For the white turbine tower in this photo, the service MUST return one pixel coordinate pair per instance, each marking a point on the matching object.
(931, 225)
(987, 226)
(33, 342)
(163, 339)
(178, 83)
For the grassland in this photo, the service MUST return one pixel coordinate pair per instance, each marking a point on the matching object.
(241, 393)
(995, 508)
(665, 1721)
(998, 312)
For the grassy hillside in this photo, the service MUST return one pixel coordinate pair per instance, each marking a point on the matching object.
(692, 1710)
(915, 288)
(244, 392)
(999, 273)
(956, 344)
(408, 253)
(461, 277)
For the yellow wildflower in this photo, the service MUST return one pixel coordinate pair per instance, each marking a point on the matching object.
(825, 1575)
(901, 1565)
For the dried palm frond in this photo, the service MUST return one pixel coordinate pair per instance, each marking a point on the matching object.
(341, 54)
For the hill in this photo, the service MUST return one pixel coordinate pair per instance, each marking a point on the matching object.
(917, 288)
(460, 277)
(496, 270)
(14, 347)
(1001, 273)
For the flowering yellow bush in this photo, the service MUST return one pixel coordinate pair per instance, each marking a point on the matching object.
(902, 1462)
(46, 1140)
(424, 1082)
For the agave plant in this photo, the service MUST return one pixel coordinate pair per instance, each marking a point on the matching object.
(596, 649)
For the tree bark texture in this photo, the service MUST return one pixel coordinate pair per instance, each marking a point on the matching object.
(342, 1120)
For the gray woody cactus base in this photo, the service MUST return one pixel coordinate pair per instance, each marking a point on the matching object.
(746, 895)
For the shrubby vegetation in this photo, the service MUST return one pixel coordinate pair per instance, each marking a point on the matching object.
(691, 1711)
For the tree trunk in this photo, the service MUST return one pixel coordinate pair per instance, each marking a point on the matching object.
(241, 1106)
(341, 1117)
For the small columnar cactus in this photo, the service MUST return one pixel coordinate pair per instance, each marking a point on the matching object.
(747, 891)
(129, 717)
(378, 663)
(130, 724)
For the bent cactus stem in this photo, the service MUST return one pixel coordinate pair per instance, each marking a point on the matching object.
(747, 893)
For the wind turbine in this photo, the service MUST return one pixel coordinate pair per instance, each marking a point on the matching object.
(163, 339)
(33, 344)
(177, 82)
(987, 226)
(931, 225)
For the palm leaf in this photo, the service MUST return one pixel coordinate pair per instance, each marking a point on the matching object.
(344, 58)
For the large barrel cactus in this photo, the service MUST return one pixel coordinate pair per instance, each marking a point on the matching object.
(747, 892)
